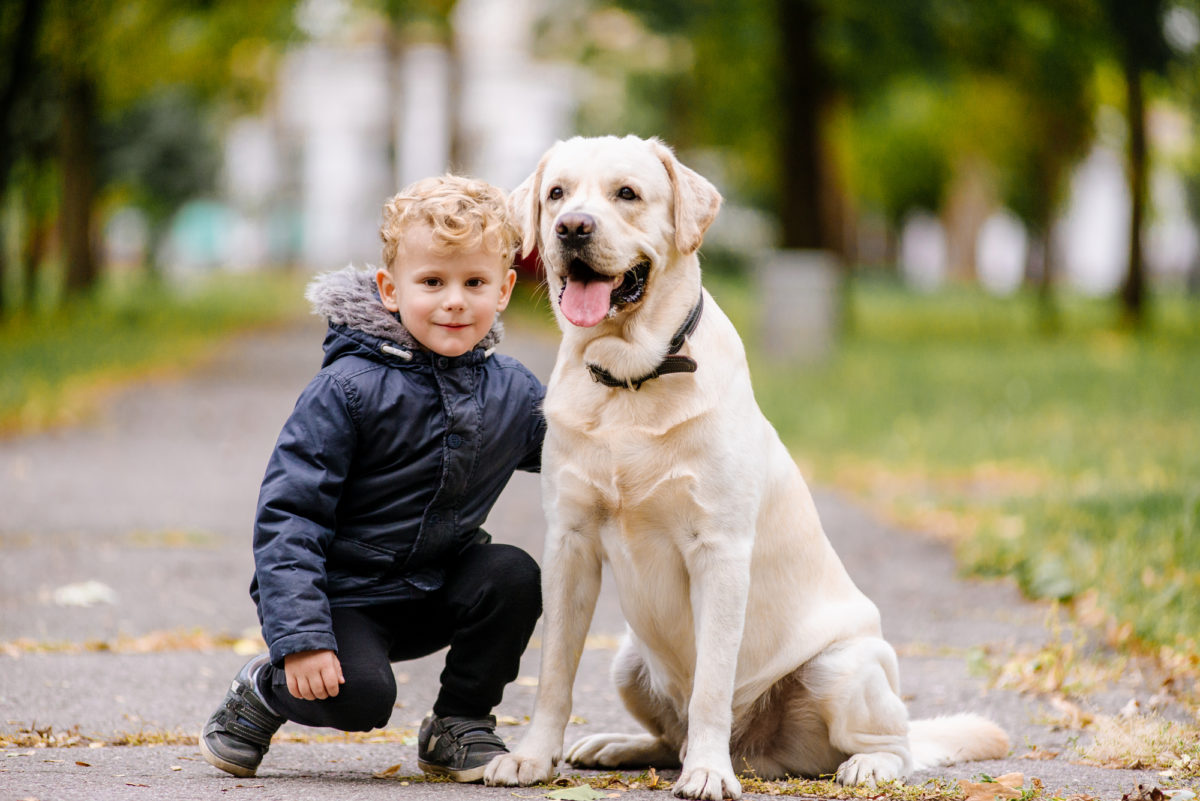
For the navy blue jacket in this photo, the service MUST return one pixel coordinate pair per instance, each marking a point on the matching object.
(386, 468)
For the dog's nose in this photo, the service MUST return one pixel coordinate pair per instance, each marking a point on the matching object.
(575, 228)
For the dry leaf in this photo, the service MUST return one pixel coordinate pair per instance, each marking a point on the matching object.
(1039, 753)
(580, 793)
(387, 773)
(1001, 788)
(1073, 715)
(1142, 793)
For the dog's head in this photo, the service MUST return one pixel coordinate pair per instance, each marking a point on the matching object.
(608, 215)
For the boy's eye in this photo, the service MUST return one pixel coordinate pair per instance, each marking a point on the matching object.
(474, 282)
(556, 193)
(431, 282)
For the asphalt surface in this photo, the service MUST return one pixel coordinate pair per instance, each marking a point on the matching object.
(133, 529)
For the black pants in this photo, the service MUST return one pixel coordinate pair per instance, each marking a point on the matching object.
(485, 612)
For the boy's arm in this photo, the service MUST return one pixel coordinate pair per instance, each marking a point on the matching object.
(296, 519)
(532, 462)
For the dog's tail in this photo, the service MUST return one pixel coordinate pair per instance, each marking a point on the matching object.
(955, 738)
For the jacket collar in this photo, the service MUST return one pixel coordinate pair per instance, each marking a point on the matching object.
(349, 298)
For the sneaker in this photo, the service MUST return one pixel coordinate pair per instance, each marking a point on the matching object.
(239, 733)
(458, 747)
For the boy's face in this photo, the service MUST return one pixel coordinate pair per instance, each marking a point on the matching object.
(447, 301)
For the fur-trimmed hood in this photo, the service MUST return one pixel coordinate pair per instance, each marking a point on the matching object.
(349, 297)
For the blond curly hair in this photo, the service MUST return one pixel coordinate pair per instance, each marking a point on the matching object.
(463, 214)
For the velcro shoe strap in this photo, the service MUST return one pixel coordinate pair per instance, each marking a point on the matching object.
(258, 717)
(480, 738)
(252, 734)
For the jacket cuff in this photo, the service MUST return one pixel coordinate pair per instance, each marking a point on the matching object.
(301, 641)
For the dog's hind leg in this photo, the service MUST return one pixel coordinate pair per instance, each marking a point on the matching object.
(855, 686)
(658, 747)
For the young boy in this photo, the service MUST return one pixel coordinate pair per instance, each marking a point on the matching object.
(367, 542)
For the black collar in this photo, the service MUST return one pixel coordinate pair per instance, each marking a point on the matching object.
(671, 363)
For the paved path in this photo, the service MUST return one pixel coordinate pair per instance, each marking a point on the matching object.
(152, 503)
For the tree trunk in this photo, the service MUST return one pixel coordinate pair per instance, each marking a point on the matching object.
(1133, 290)
(802, 92)
(1047, 302)
(78, 163)
(32, 254)
(19, 69)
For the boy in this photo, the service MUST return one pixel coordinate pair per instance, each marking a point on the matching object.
(367, 542)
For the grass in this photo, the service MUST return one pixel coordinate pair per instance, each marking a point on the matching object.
(56, 364)
(1069, 461)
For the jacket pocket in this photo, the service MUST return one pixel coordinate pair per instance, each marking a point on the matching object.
(359, 558)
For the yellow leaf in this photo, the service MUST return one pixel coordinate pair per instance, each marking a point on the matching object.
(387, 773)
(1002, 788)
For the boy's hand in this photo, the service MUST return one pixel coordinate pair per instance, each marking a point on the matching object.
(313, 675)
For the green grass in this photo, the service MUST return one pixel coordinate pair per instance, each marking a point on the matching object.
(1071, 462)
(55, 365)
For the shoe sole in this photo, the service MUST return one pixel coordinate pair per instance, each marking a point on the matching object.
(468, 776)
(211, 758)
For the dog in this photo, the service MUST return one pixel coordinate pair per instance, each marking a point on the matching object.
(748, 646)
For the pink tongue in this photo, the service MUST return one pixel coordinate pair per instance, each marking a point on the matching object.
(586, 304)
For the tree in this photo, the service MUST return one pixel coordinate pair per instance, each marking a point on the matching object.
(102, 58)
(1136, 31)
(19, 27)
(162, 151)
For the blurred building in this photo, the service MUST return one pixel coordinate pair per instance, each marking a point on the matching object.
(353, 120)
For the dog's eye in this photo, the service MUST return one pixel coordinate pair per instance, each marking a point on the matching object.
(556, 193)
(625, 193)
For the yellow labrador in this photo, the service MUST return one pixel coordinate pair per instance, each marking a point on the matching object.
(748, 646)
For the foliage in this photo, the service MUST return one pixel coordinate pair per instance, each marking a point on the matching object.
(134, 48)
(1068, 464)
(161, 148)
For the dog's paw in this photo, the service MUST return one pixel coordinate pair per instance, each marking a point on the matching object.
(870, 769)
(517, 769)
(709, 783)
(619, 750)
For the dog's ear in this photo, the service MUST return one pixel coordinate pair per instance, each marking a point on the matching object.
(525, 206)
(697, 201)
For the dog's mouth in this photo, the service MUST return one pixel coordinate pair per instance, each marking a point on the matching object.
(586, 297)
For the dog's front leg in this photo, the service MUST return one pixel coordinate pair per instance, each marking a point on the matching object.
(720, 584)
(570, 585)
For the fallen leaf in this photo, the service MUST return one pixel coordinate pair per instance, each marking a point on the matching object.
(999, 789)
(1039, 753)
(83, 764)
(1143, 793)
(176, 767)
(387, 773)
(580, 793)
(1073, 715)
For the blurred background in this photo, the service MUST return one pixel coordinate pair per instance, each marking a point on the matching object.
(1029, 142)
(960, 238)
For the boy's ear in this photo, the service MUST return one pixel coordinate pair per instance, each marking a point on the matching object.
(506, 288)
(387, 289)
(525, 206)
